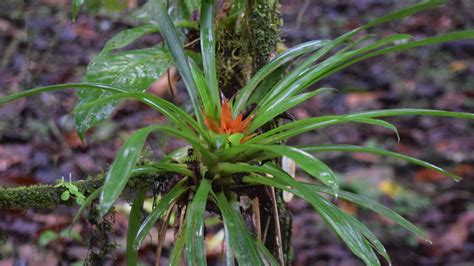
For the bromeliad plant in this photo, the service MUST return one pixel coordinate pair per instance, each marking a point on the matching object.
(229, 154)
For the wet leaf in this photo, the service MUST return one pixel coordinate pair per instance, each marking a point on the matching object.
(132, 71)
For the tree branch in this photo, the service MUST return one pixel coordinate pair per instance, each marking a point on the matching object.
(43, 197)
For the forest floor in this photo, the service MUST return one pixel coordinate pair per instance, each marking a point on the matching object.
(38, 142)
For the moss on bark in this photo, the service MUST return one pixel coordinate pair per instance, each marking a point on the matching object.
(43, 196)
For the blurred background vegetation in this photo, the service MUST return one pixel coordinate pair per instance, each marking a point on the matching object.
(38, 143)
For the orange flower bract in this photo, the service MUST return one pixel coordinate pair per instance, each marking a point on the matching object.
(227, 124)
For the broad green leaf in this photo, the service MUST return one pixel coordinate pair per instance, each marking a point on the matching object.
(335, 218)
(194, 230)
(128, 36)
(374, 206)
(208, 52)
(239, 236)
(179, 12)
(170, 35)
(133, 225)
(289, 55)
(163, 205)
(132, 71)
(354, 148)
(125, 37)
(37, 90)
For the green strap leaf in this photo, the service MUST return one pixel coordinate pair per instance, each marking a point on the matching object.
(76, 4)
(163, 205)
(208, 52)
(270, 114)
(405, 12)
(374, 206)
(354, 148)
(142, 170)
(172, 167)
(288, 56)
(411, 111)
(86, 203)
(177, 253)
(194, 230)
(330, 69)
(306, 161)
(133, 225)
(169, 110)
(378, 122)
(304, 125)
(334, 217)
(170, 35)
(125, 162)
(240, 239)
(294, 75)
(265, 254)
(305, 75)
(371, 239)
(122, 168)
(172, 112)
(37, 90)
(298, 127)
(203, 90)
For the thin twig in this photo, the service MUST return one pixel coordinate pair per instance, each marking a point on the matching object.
(162, 234)
(277, 227)
(299, 16)
(170, 84)
(191, 42)
(181, 222)
(265, 232)
(256, 217)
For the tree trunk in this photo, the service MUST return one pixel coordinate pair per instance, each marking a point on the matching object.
(244, 45)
